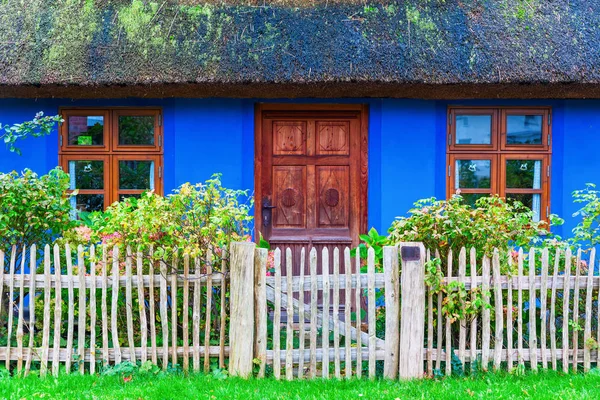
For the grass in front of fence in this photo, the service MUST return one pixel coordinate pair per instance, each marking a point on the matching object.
(548, 385)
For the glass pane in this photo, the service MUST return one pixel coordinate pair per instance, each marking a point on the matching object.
(524, 129)
(473, 129)
(135, 174)
(136, 130)
(88, 202)
(471, 198)
(86, 174)
(524, 174)
(473, 174)
(86, 130)
(532, 201)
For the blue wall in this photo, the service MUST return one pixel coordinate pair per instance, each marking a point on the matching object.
(407, 148)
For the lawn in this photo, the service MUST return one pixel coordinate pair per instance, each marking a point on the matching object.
(148, 386)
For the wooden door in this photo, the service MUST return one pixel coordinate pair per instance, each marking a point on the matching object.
(311, 176)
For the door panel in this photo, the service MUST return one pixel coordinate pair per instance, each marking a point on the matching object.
(311, 177)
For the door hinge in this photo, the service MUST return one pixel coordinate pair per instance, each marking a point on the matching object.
(547, 211)
(160, 172)
(448, 170)
(61, 140)
(548, 171)
(549, 119)
(548, 139)
(160, 141)
(450, 119)
(159, 119)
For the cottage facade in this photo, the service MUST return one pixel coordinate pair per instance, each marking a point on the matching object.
(337, 115)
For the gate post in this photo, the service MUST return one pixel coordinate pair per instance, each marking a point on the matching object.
(412, 310)
(391, 270)
(241, 322)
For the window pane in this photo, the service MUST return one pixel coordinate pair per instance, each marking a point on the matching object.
(135, 174)
(532, 201)
(473, 174)
(471, 198)
(524, 174)
(88, 202)
(473, 129)
(86, 174)
(136, 130)
(524, 129)
(86, 130)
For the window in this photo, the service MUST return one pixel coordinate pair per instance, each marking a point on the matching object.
(111, 154)
(504, 151)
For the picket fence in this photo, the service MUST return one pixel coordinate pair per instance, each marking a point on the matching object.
(86, 331)
(320, 323)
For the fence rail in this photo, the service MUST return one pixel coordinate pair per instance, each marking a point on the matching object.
(84, 312)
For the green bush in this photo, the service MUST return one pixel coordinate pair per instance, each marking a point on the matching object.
(587, 230)
(33, 209)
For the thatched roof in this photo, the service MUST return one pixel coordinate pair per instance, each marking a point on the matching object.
(295, 48)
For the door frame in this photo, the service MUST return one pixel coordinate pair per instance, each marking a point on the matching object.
(362, 109)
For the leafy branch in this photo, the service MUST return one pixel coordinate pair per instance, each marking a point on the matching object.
(38, 127)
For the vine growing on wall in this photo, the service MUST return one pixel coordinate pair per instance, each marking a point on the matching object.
(39, 126)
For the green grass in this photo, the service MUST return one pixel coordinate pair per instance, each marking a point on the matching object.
(174, 386)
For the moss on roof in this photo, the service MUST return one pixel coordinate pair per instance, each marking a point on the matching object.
(98, 43)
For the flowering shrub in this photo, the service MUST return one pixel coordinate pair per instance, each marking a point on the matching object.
(194, 219)
(33, 209)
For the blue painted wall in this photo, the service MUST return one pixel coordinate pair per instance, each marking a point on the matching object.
(407, 148)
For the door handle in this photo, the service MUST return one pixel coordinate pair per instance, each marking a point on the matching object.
(267, 212)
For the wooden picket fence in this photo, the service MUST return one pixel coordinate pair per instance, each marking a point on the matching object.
(560, 299)
(100, 307)
(113, 309)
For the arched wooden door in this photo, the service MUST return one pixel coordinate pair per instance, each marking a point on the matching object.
(311, 176)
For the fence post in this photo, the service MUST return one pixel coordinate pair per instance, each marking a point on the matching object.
(391, 270)
(412, 310)
(241, 325)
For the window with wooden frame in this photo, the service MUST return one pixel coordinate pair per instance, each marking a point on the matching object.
(111, 154)
(501, 150)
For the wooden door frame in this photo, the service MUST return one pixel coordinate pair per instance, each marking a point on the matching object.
(362, 109)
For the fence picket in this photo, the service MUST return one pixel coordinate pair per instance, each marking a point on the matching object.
(301, 316)
(32, 297)
(93, 310)
(208, 313)
(196, 317)
(485, 315)
(520, 359)
(128, 303)
(587, 335)
(71, 307)
(336, 312)
(173, 269)
(576, 309)
(532, 313)
(440, 338)
(498, 306)
(260, 307)
(509, 317)
(473, 331)
(114, 305)
(553, 355)
(57, 311)
(83, 311)
(543, 309)
(223, 316)
(184, 310)
(289, 331)
(151, 304)
(392, 312)
(313, 312)
(566, 313)
(371, 312)
(277, 317)
(462, 335)
(46, 322)
(20, 317)
(142, 306)
(429, 325)
(164, 316)
(347, 312)
(357, 299)
(11, 296)
(103, 305)
(448, 350)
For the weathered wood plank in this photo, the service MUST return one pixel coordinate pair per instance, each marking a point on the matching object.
(289, 330)
(57, 311)
(532, 329)
(392, 312)
(371, 311)
(260, 309)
